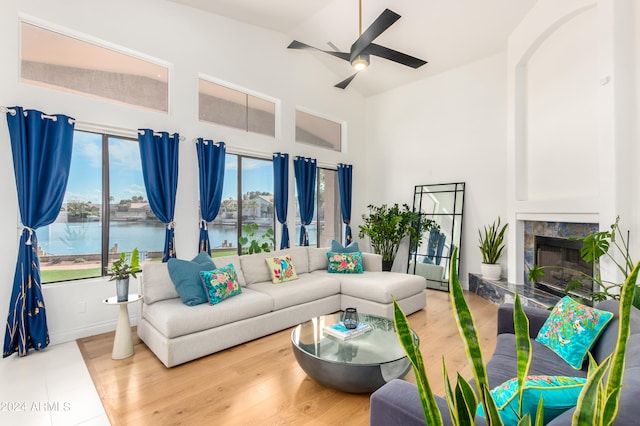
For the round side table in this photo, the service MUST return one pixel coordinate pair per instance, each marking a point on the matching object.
(123, 342)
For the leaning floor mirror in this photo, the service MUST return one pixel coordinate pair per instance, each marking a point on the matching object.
(440, 207)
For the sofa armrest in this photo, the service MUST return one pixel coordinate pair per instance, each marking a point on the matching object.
(536, 316)
(371, 262)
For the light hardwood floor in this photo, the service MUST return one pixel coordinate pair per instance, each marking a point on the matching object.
(260, 382)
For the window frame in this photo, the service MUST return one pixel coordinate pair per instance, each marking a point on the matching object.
(247, 92)
(88, 39)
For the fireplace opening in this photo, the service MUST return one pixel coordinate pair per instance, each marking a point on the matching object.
(562, 253)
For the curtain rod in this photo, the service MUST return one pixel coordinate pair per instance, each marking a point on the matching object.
(4, 110)
(141, 132)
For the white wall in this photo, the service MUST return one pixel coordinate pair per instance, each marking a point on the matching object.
(447, 128)
(192, 42)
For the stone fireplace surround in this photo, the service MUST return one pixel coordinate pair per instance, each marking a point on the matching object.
(503, 291)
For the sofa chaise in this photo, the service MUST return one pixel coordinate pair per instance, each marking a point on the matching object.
(177, 333)
(398, 403)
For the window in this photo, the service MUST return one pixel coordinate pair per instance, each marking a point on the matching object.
(54, 60)
(248, 189)
(326, 209)
(84, 239)
(234, 108)
(318, 131)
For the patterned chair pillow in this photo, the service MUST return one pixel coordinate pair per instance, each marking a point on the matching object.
(345, 263)
(572, 329)
(220, 284)
(559, 394)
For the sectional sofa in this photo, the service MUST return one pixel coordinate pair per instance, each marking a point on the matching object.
(177, 333)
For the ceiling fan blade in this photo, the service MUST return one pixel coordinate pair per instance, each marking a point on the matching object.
(394, 55)
(295, 44)
(382, 22)
(344, 83)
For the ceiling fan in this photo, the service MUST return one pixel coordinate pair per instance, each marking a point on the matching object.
(364, 47)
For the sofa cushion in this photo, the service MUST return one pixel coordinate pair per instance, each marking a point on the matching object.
(281, 268)
(379, 286)
(300, 257)
(337, 247)
(254, 267)
(344, 263)
(559, 394)
(234, 260)
(572, 329)
(173, 319)
(220, 284)
(185, 275)
(156, 283)
(307, 288)
(317, 259)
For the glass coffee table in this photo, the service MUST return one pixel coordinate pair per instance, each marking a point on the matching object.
(358, 365)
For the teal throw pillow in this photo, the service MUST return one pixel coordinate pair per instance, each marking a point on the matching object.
(185, 275)
(572, 329)
(345, 263)
(336, 247)
(220, 284)
(558, 393)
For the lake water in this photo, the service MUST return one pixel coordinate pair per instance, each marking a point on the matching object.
(85, 238)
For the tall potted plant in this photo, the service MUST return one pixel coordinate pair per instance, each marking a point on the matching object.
(387, 226)
(492, 246)
(121, 269)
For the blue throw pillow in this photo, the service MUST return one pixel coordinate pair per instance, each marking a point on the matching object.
(572, 329)
(558, 394)
(336, 247)
(185, 275)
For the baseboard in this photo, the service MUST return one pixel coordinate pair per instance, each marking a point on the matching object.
(86, 331)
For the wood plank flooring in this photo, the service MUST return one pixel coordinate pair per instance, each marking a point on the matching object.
(260, 382)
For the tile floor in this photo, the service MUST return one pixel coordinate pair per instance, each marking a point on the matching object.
(52, 388)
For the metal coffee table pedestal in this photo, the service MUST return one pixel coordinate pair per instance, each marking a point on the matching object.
(358, 365)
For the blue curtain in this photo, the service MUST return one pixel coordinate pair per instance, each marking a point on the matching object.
(345, 172)
(281, 194)
(211, 171)
(159, 156)
(41, 147)
(305, 170)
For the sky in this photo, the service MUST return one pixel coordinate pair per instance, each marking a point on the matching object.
(85, 178)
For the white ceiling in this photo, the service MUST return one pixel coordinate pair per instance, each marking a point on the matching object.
(445, 33)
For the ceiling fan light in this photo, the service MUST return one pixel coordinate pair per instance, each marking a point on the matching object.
(360, 62)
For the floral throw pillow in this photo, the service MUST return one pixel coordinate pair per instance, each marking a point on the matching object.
(345, 263)
(281, 269)
(559, 394)
(220, 284)
(572, 329)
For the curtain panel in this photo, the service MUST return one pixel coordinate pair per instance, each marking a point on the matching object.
(211, 158)
(41, 145)
(306, 171)
(281, 194)
(159, 157)
(345, 173)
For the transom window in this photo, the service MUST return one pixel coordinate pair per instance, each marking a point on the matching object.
(223, 105)
(314, 130)
(62, 62)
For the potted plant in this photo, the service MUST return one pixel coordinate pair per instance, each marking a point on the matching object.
(491, 246)
(387, 226)
(121, 269)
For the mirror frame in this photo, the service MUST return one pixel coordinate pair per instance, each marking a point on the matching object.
(448, 214)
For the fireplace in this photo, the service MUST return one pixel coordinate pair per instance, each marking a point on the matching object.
(562, 253)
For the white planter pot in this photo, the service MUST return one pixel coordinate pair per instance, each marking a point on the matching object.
(491, 272)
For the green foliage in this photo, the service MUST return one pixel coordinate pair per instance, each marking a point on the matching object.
(598, 402)
(492, 242)
(594, 247)
(387, 226)
(121, 268)
(253, 243)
